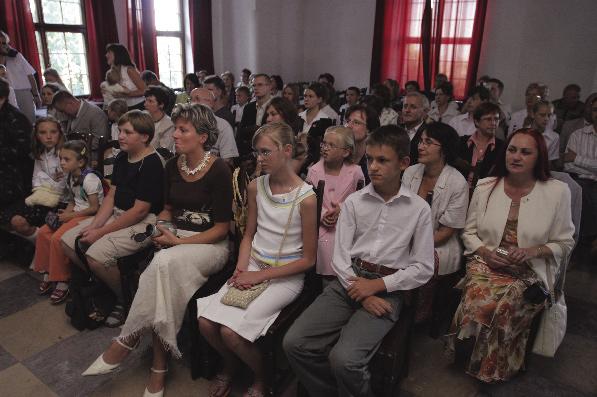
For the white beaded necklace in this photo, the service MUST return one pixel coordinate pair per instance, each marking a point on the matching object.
(185, 168)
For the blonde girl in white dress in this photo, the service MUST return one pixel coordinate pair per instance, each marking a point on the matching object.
(232, 331)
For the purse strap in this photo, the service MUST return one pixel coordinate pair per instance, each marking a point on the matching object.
(288, 224)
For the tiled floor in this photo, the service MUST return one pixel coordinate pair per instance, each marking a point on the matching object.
(41, 354)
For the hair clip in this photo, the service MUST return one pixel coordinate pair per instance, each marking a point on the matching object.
(83, 151)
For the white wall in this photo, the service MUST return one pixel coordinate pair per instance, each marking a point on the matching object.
(296, 39)
(550, 41)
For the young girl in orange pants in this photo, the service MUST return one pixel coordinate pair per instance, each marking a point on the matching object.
(86, 193)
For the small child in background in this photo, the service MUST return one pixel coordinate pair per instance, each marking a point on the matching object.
(48, 182)
(115, 109)
(112, 87)
(12, 99)
(86, 193)
(341, 178)
(243, 94)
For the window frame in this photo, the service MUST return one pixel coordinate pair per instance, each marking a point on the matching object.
(179, 35)
(42, 27)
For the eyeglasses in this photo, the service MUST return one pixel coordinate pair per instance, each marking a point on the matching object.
(265, 153)
(354, 122)
(325, 145)
(428, 142)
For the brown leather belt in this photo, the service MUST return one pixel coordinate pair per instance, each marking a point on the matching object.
(375, 268)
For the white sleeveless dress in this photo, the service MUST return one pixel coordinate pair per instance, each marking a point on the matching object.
(272, 215)
(128, 83)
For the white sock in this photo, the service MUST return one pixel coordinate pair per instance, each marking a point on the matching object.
(46, 276)
(62, 286)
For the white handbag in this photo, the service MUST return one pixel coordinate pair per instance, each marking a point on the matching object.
(553, 321)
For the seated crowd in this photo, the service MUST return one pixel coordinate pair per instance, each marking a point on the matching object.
(399, 169)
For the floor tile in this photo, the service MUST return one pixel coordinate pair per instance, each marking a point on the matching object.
(8, 270)
(6, 359)
(60, 366)
(34, 329)
(18, 293)
(582, 318)
(581, 284)
(17, 381)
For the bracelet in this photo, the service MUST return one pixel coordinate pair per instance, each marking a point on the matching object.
(539, 252)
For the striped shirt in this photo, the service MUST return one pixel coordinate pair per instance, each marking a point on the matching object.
(583, 142)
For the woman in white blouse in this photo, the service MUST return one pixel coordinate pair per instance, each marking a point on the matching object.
(443, 108)
(445, 189)
(518, 236)
(314, 100)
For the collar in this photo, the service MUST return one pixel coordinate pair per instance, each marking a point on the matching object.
(442, 180)
(264, 103)
(402, 192)
(589, 129)
(474, 139)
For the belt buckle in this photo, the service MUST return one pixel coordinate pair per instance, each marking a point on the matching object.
(378, 268)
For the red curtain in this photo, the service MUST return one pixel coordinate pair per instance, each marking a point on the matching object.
(201, 34)
(142, 43)
(421, 39)
(17, 22)
(101, 31)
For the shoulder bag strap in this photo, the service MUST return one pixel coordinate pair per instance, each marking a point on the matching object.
(298, 192)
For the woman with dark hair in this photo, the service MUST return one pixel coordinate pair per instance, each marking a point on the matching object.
(156, 100)
(191, 81)
(280, 109)
(315, 99)
(394, 88)
(51, 75)
(443, 108)
(291, 92)
(445, 189)
(277, 85)
(517, 237)
(120, 63)
(387, 115)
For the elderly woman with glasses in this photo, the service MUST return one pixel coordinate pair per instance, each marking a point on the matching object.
(198, 199)
(445, 189)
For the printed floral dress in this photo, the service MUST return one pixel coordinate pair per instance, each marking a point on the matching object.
(494, 312)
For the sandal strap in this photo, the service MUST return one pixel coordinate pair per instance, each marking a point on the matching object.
(158, 371)
(127, 347)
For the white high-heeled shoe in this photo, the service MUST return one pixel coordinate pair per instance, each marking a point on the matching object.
(157, 393)
(101, 367)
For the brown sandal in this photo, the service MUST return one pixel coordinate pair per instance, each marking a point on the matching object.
(59, 296)
(44, 287)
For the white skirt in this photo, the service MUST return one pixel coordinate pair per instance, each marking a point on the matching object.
(166, 286)
(254, 321)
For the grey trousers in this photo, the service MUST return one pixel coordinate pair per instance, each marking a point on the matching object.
(330, 345)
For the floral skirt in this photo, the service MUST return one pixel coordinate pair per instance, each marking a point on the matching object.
(493, 312)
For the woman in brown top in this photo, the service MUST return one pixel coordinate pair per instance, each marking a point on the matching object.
(198, 202)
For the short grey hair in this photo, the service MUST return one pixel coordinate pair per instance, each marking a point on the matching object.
(422, 98)
(201, 117)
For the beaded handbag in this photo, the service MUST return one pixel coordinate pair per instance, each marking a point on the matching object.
(243, 297)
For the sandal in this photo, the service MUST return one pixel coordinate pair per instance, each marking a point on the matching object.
(58, 296)
(117, 317)
(44, 287)
(220, 386)
(253, 393)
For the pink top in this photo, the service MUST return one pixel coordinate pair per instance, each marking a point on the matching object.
(337, 189)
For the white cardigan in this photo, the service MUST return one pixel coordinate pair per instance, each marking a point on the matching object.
(448, 208)
(544, 217)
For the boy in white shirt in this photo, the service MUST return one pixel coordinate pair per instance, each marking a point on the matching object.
(383, 244)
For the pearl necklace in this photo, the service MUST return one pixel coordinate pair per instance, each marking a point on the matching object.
(185, 168)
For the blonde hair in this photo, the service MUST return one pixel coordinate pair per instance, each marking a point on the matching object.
(346, 137)
(279, 132)
(37, 148)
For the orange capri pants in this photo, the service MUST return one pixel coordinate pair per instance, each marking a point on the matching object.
(49, 257)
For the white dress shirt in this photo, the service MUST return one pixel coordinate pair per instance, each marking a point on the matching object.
(17, 70)
(448, 208)
(396, 233)
(464, 124)
(451, 112)
(552, 141)
(327, 109)
(261, 111)
(517, 121)
(48, 172)
(583, 142)
(320, 115)
(413, 131)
